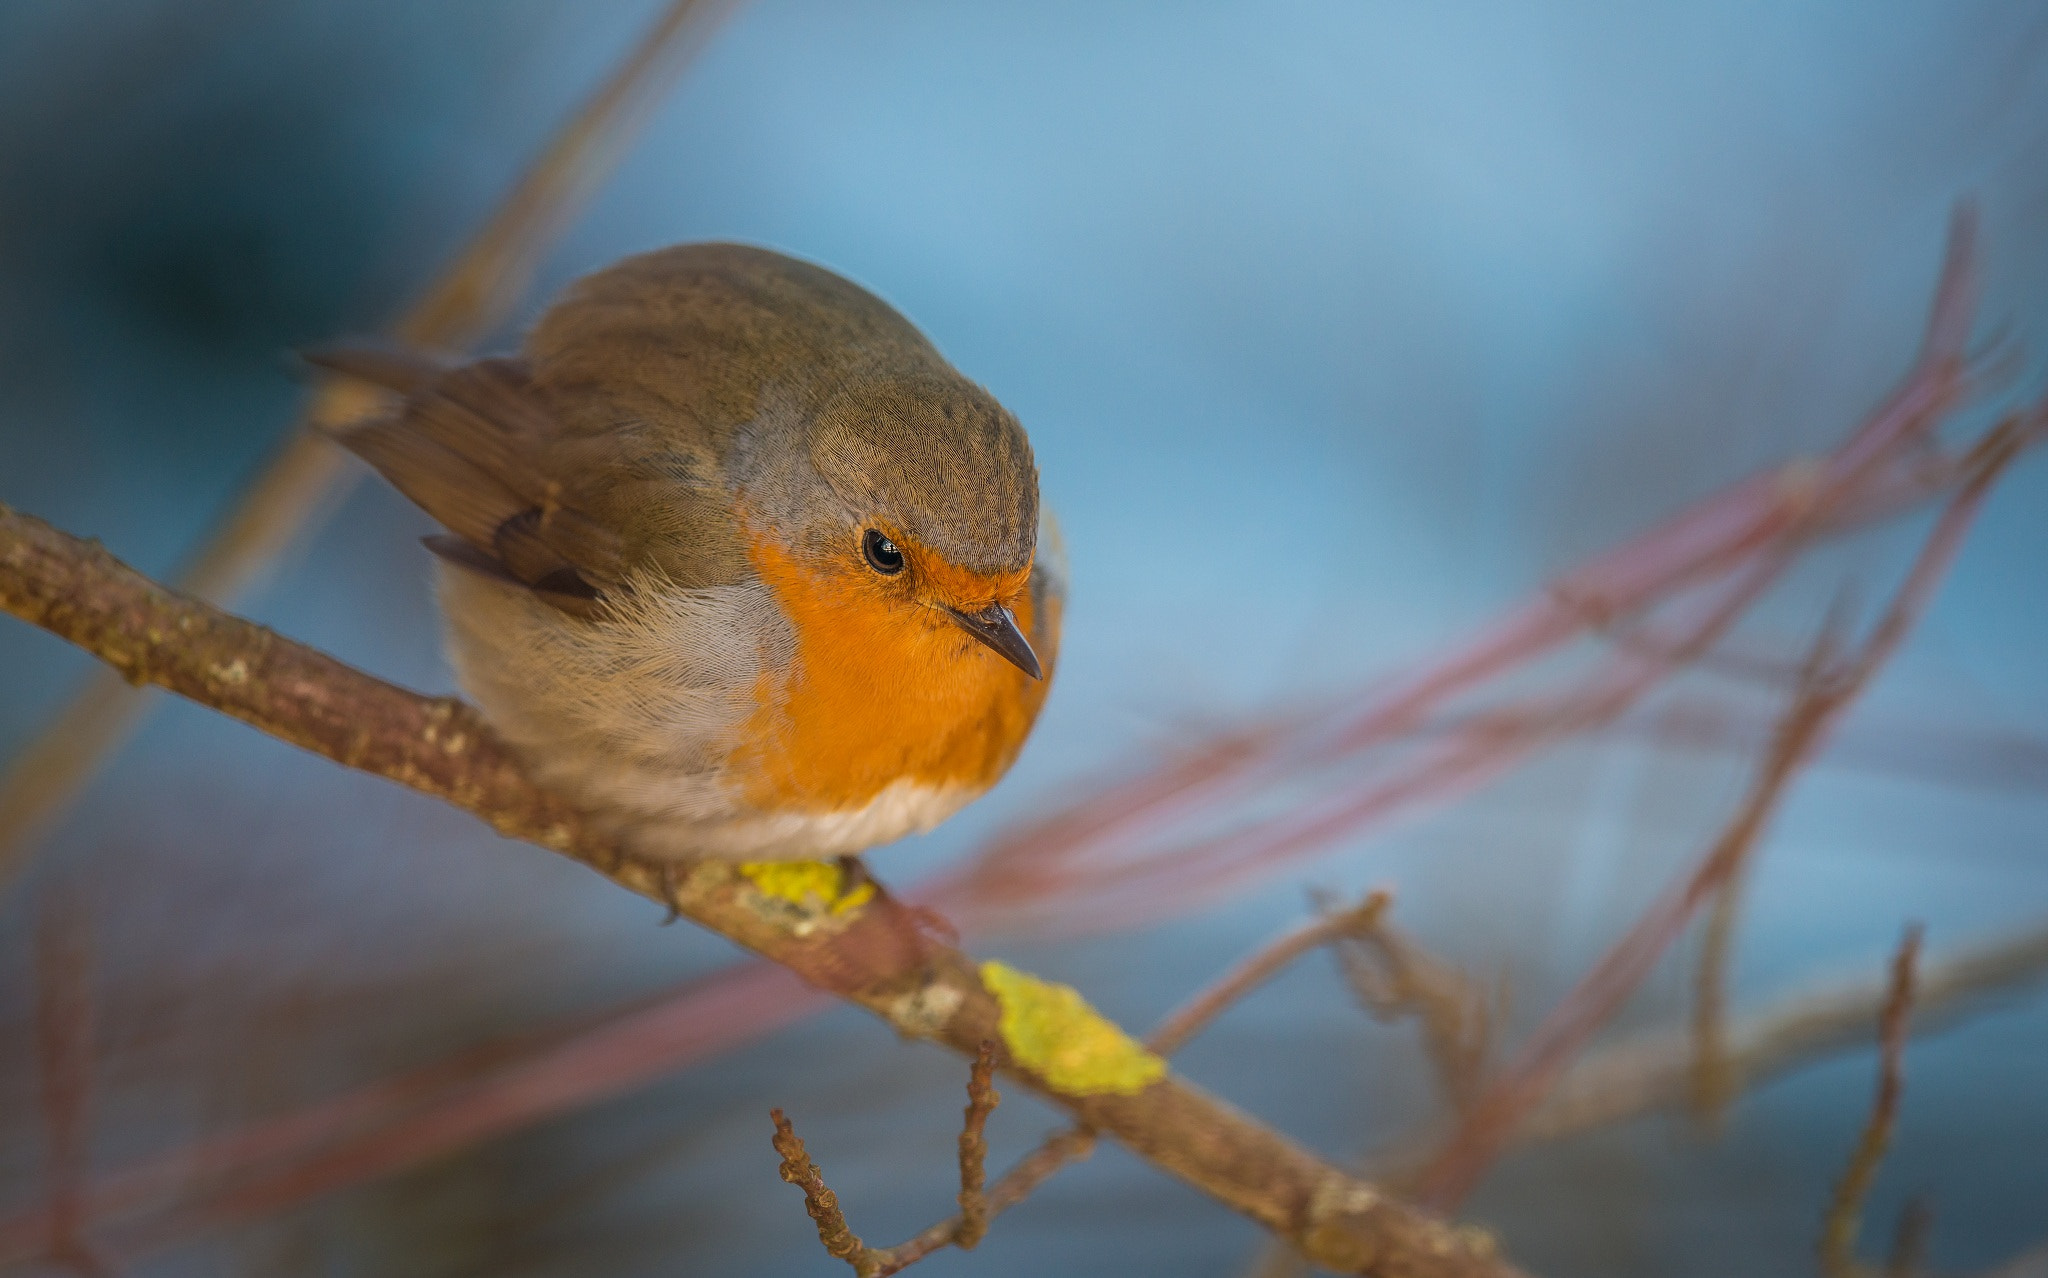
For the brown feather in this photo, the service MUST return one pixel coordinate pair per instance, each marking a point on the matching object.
(394, 368)
(471, 446)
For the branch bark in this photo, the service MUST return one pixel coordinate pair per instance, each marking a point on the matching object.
(876, 956)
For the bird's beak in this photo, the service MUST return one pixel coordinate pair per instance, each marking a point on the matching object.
(996, 627)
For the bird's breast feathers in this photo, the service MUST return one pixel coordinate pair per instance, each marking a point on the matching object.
(763, 720)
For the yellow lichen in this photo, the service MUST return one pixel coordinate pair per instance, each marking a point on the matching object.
(1053, 1032)
(808, 884)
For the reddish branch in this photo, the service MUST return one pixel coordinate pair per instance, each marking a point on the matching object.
(1491, 1123)
(1193, 1016)
(1126, 853)
(1845, 1212)
(878, 957)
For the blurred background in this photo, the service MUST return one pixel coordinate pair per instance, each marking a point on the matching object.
(1338, 328)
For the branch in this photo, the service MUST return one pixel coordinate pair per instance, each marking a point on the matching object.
(1193, 1016)
(964, 1231)
(871, 952)
(1147, 844)
(1392, 976)
(1713, 1081)
(309, 475)
(982, 1099)
(1845, 1213)
(1070, 1145)
(839, 1240)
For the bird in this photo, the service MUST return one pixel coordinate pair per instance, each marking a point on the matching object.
(733, 559)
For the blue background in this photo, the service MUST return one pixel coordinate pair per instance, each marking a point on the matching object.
(1338, 327)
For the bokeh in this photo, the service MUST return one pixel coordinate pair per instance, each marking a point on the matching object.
(1338, 328)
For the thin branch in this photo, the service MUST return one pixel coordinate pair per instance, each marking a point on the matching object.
(1392, 976)
(1714, 1083)
(877, 955)
(964, 1230)
(838, 1238)
(982, 1099)
(309, 475)
(1058, 1150)
(1268, 961)
(1845, 1213)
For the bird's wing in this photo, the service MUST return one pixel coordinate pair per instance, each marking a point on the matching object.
(469, 445)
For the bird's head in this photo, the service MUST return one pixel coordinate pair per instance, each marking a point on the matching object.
(917, 516)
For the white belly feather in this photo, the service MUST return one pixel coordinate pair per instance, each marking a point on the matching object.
(633, 718)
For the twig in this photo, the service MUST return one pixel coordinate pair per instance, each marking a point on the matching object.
(982, 1099)
(876, 955)
(1845, 1213)
(1058, 1150)
(309, 475)
(1392, 976)
(964, 1230)
(1262, 965)
(823, 1205)
(1714, 1083)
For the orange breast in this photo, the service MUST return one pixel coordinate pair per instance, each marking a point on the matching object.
(882, 691)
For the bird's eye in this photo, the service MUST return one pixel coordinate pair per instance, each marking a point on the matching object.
(884, 556)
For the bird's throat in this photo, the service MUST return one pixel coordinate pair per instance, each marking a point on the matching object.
(878, 694)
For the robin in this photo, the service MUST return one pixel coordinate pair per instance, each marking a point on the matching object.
(735, 560)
